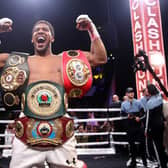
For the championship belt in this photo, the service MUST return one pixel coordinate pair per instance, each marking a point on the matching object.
(43, 100)
(14, 78)
(77, 73)
(41, 133)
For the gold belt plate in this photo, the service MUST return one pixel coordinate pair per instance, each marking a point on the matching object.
(44, 99)
(12, 78)
(77, 72)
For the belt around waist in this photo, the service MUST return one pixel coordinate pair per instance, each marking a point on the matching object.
(41, 133)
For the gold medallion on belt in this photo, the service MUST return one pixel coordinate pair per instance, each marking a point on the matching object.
(77, 72)
(12, 78)
(39, 132)
(44, 99)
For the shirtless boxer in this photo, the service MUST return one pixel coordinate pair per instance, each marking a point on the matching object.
(45, 132)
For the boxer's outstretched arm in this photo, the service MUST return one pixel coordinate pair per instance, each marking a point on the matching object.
(5, 26)
(97, 54)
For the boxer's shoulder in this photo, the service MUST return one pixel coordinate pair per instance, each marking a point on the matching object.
(3, 56)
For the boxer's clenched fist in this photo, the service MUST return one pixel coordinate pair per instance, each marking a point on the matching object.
(5, 25)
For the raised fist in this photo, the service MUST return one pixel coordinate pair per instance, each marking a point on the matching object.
(5, 25)
(83, 22)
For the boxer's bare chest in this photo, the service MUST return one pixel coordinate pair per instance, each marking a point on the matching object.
(45, 68)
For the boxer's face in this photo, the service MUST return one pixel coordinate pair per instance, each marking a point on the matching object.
(42, 37)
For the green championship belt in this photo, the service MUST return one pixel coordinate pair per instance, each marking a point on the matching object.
(13, 79)
(43, 100)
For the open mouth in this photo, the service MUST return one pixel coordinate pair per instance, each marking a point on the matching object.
(41, 39)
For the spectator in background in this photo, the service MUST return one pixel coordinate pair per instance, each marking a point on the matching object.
(82, 138)
(133, 109)
(116, 103)
(149, 145)
(125, 97)
(91, 124)
(115, 98)
(144, 98)
(155, 122)
(165, 112)
(115, 125)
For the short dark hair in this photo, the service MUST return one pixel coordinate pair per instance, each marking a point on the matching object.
(48, 24)
(129, 90)
(152, 89)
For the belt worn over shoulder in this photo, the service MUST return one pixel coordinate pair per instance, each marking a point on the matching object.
(77, 73)
(43, 100)
(39, 133)
(14, 78)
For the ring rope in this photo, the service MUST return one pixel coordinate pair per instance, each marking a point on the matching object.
(81, 134)
(78, 120)
(93, 109)
(7, 135)
(100, 133)
(85, 144)
(6, 121)
(100, 119)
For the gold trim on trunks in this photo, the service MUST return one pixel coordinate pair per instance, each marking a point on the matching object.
(77, 72)
(44, 99)
(12, 78)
